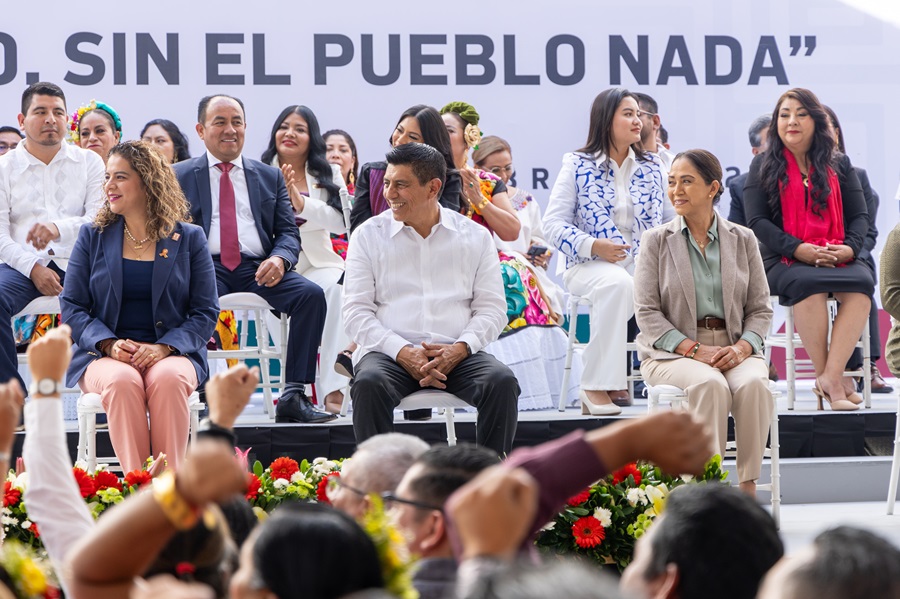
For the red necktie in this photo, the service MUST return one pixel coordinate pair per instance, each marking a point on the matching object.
(229, 246)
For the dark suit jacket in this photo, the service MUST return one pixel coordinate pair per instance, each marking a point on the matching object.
(872, 202)
(736, 191)
(185, 302)
(269, 202)
(769, 228)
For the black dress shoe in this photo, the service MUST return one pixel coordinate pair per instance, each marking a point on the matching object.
(294, 406)
(879, 385)
(417, 415)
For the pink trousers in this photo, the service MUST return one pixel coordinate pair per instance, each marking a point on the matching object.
(129, 395)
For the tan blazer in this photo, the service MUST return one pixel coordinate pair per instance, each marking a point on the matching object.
(664, 296)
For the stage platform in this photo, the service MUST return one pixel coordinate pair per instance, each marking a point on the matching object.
(805, 433)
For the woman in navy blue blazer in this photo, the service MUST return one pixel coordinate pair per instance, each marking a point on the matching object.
(141, 299)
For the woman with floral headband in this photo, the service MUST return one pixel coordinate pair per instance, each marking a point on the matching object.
(96, 127)
(537, 353)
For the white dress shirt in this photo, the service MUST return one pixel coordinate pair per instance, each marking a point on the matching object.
(67, 192)
(51, 494)
(248, 236)
(666, 157)
(401, 289)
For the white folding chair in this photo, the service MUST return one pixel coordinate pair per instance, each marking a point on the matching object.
(572, 309)
(791, 341)
(678, 400)
(435, 398)
(264, 351)
(89, 406)
(895, 465)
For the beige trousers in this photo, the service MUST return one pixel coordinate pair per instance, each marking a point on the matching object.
(743, 391)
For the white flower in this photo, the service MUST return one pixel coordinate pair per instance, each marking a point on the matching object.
(604, 516)
(26, 524)
(280, 484)
(7, 520)
(636, 496)
(550, 525)
(21, 481)
(318, 461)
(687, 477)
(81, 465)
(296, 477)
(656, 493)
(321, 470)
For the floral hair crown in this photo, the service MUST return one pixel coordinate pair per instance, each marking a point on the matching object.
(75, 120)
(467, 113)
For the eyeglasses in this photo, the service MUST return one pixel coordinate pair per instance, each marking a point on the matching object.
(7, 147)
(642, 113)
(335, 484)
(390, 499)
(498, 170)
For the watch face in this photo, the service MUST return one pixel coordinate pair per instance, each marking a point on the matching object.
(46, 386)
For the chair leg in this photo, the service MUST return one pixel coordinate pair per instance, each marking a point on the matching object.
(195, 424)
(789, 356)
(570, 350)
(895, 465)
(81, 452)
(867, 366)
(91, 436)
(775, 463)
(262, 344)
(451, 427)
(345, 404)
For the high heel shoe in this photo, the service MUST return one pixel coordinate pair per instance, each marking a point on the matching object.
(837, 405)
(589, 408)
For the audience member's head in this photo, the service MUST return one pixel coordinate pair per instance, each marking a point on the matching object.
(43, 118)
(340, 149)
(836, 130)
(650, 121)
(413, 182)
(565, 578)
(204, 554)
(662, 137)
(494, 155)
(221, 126)
(96, 127)
(614, 123)
(377, 466)
(168, 139)
(759, 133)
(306, 550)
(418, 502)
(240, 519)
(9, 139)
(842, 563)
(712, 541)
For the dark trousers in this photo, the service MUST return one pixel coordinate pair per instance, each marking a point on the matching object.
(16, 291)
(479, 380)
(299, 298)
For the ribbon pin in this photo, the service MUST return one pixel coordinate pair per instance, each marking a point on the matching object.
(164, 253)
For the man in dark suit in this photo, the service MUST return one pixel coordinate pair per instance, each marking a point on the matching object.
(759, 132)
(244, 208)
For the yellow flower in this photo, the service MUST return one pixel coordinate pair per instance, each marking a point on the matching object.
(261, 514)
(32, 578)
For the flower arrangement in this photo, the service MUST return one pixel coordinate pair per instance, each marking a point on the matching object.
(99, 490)
(287, 480)
(396, 562)
(29, 572)
(602, 522)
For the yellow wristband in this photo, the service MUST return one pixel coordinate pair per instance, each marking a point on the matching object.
(179, 512)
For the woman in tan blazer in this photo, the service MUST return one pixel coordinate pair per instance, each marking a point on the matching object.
(702, 305)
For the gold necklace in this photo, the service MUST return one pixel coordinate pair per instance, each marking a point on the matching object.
(703, 243)
(138, 245)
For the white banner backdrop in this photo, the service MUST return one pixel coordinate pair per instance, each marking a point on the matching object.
(531, 68)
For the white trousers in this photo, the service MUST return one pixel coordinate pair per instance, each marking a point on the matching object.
(610, 288)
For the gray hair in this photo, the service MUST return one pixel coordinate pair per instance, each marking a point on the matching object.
(380, 462)
(756, 129)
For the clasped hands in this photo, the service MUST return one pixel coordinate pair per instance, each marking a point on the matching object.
(431, 363)
(610, 250)
(721, 358)
(140, 355)
(827, 256)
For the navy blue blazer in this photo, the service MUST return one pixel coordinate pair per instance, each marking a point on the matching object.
(269, 202)
(185, 301)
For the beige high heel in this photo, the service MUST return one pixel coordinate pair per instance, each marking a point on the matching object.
(837, 405)
(589, 408)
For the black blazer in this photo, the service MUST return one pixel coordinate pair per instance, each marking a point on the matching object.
(774, 242)
(269, 202)
(736, 191)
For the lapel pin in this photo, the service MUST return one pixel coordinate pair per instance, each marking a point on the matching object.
(164, 253)
(176, 236)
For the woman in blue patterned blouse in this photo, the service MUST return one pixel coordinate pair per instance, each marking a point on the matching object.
(606, 195)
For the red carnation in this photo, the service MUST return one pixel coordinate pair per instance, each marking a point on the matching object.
(104, 479)
(85, 483)
(253, 486)
(322, 488)
(576, 500)
(139, 478)
(11, 495)
(588, 532)
(628, 469)
(34, 530)
(284, 468)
